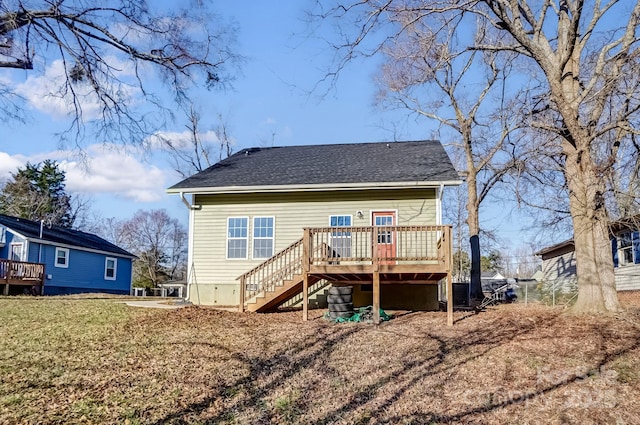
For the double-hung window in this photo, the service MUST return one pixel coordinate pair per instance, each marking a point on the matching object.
(340, 242)
(16, 252)
(62, 258)
(237, 235)
(626, 249)
(263, 237)
(110, 268)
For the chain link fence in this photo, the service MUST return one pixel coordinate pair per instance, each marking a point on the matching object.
(553, 293)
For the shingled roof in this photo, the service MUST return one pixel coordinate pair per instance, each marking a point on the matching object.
(61, 235)
(357, 163)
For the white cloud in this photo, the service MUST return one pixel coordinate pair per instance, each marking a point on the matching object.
(104, 170)
(5, 80)
(9, 164)
(47, 94)
(115, 172)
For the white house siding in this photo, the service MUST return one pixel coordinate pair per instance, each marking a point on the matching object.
(213, 278)
(560, 271)
(628, 277)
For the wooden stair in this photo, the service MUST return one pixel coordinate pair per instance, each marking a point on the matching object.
(270, 300)
(273, 282)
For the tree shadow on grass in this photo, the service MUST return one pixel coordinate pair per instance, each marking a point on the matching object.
(247, 397)
(265, 375)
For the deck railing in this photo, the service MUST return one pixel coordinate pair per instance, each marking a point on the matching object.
(264, 277)
(349, 245)
(381, 244)
(19, 272)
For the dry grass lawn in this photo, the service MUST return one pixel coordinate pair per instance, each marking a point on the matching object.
(99, 361)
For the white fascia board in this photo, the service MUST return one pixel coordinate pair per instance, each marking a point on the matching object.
(316, 187)
(9, 229)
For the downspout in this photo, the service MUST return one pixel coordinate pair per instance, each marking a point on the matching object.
(40, 243)
(439, 210)
(188, 204)
(192, 210)
(439, 222)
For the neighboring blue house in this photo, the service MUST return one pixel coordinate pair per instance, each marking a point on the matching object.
(75, 261)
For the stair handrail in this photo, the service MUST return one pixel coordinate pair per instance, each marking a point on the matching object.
(272, 259)
(294, 265)
(291, 257)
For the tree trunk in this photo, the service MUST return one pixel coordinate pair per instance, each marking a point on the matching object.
(473, 222)
(594, 265)
(476, 281)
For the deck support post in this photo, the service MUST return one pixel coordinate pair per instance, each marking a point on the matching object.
(376, 296)
(305, 297)
(5, 291)
(376, 276)
(449, 301)
(306, 262)
(449, 263)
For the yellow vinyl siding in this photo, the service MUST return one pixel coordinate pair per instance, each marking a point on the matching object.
(213, 277)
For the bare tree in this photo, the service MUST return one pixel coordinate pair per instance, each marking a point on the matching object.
(520, 262)
(105, 53)
(587, 56)
(159, 242)
(108, 228)
(194, 152)
(585, 60)
(624, 180)
(455, 213)
(428, 72)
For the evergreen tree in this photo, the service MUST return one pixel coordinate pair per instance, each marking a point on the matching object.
(37, 192)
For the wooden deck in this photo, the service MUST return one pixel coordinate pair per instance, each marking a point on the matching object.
(352, 255)
(22, 274)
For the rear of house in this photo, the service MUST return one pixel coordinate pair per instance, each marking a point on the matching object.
(257, 203)
(73, 261)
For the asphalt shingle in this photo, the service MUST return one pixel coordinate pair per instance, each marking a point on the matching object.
(416, 161)
(61, 235)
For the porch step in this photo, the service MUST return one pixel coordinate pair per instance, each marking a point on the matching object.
(270, 301)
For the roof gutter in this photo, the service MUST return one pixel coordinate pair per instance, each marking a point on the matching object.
(312, 187)
(188, 204)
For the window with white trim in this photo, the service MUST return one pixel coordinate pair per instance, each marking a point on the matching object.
(625, 249)
(16, 253)
(237, 236)
(340, 242)
(110, 268)
(263, 230)
(62, 258)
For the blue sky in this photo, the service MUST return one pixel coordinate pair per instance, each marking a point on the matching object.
(269, 104)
